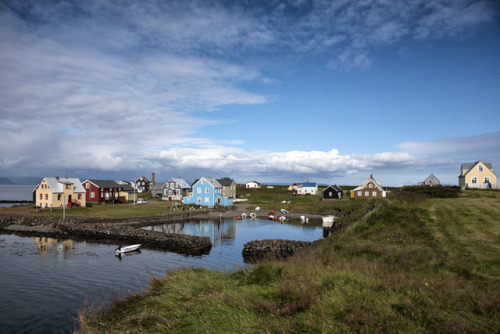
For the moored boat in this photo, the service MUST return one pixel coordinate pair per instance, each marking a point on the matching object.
(127, 249)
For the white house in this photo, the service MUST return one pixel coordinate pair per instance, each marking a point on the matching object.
(308, 188)
(252, 184)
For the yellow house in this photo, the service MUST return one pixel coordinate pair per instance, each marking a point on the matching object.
(54, 192)
(477, 175)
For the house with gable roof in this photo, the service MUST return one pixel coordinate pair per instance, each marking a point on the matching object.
(430, 181)
(333, 192)
(54, 192)
(142, 184)
(101, 191)
(478, 175)
(228, 187)
(369, 189)
(252, 184)
(175, 189)
(307, 188)
(207, 192)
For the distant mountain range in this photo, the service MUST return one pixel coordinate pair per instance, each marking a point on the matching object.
(20, 180)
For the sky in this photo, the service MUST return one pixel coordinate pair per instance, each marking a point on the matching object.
(273, 91)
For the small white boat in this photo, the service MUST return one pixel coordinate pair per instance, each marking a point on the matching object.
(284, 211)
(127, 249)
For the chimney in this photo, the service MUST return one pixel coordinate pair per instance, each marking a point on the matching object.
(371, 176)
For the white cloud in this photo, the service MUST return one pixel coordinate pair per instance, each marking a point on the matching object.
(116, 86)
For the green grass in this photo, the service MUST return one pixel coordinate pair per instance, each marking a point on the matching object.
(104, 210)
(412, 264)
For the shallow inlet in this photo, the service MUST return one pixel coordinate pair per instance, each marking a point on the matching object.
(46, 281)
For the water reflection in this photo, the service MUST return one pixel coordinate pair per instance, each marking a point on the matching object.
(216, 230)
(46, 244)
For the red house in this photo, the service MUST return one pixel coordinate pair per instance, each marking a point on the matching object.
(101, 191)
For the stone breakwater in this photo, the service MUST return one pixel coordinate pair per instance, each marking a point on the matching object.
(270, 249)
(108, 230)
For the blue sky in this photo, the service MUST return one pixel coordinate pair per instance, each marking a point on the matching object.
(275, 91)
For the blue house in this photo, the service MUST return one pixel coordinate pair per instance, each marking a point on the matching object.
(207, 192)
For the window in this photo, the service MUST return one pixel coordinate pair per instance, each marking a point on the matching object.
(330, 194)
(474, 180)
(59, 197)
(359, 193)
(68, 186)
(87, 185)
(374, 194)
(370, 185)
(41, 196)
(198, 190)
(206, 200)
(367, 193)
(46, 196)
(480, 168)
(206, 190)
(92, 195)
(198, 200)
(79, 196)
(202, 181)
(486, 179)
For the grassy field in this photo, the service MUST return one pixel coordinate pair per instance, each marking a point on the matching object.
(412, 263)
(105, 211)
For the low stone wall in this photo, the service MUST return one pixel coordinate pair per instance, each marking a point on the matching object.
(99, 229)
(270, 249)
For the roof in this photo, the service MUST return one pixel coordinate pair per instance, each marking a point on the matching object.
(56, 184)
(210, 180)
(470, 165)
(225, 181)
(308, 184)
(158, 186)
(334, 187)
(127, 188)
(183, 184)
(372, 180)
(142, 178)
(253, 182)
(104, 183)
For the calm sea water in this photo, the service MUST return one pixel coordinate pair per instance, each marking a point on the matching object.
(44, 281)
(15, 193)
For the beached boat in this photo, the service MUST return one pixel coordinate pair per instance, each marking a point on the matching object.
(127, 249)
(328, 221)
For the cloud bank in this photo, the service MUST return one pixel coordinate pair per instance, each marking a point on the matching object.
(126, 86)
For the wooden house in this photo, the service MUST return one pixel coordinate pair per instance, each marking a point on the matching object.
(175, 189)
(333, 192)
(207, 192)
(228, 187)
(142, 185)
(369, 189)
(102, 191)
(55, 192)
(430, 181)
(252, 184)
(307, 188)
(477, 175)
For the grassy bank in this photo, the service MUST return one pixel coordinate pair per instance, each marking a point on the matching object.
(414, 263)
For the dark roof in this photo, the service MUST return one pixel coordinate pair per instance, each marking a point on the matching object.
(469, 165)
(334, 187)
(105, 183)
(225, 181)
(126, 187)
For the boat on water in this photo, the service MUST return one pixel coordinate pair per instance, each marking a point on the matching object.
(127, 249)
